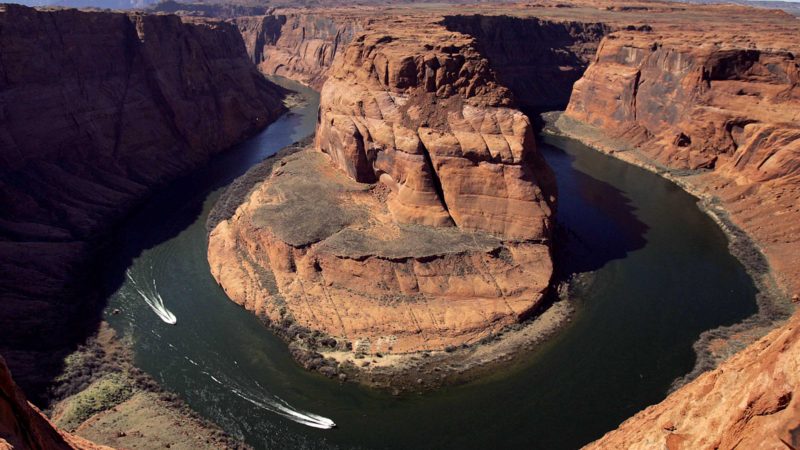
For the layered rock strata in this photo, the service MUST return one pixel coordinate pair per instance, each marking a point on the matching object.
(421, 219)
(297, 45)
(721, 114)
(96, 109)
(539, 60)
(717, 112)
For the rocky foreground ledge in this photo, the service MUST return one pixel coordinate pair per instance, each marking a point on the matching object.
(417, 222)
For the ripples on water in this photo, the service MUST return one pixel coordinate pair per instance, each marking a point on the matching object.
(660, 273)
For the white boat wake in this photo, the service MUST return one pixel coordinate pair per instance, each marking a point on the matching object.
(153, 300)
(280, 407)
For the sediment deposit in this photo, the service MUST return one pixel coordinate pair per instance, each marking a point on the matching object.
(96, 109)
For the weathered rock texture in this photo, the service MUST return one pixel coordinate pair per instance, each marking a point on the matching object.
(297, 45)
(728, 104)
(422, 219)
(23, 427)
(96, 109)
(717, 111)
(539, 60)
(751, 401)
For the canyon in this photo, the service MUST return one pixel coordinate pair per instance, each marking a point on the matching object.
(675, 92)
(91, 122)
(418, 224)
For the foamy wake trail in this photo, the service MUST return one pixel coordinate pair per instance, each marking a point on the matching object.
(278, 406)
(153, 300)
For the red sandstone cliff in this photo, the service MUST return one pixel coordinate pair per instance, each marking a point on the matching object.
(297, 45)
(751, 401)
(23, 427)
(96, 109)
(717, 111)
(731, 106)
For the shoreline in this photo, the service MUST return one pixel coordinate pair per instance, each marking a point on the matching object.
(774, 305)
(413, 372)
(102, 396)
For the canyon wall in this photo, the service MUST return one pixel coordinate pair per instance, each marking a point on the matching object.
(296, 45)
(717, 111)
(721, 112)
(96, 109)
(539, 60)
(433, 230)
(750, 401)
(23, 427)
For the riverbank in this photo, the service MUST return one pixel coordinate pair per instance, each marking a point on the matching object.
(412, 370)
(774, 304)
(101, 396)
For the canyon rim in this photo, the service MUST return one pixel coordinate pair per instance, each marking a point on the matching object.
(412, 241)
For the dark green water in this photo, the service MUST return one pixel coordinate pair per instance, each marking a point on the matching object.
(661, 274)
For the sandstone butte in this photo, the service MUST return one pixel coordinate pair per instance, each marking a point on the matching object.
(421, 218)
(705, 95)
(91, 121)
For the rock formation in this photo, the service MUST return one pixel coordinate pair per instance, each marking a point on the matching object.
(539, 60)
(23, 427)
(717, 111)
(750, 401)
(420, 221)
(727, 105)
(91, 120)
(297, 45)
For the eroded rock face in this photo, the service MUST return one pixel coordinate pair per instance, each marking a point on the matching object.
(296, 45)
(313, 248)
(419, 221)
(750, 401)
(717, 111)
(427, 118)
(23, 427)
(539, 60)
(96, 109)
(729, 107)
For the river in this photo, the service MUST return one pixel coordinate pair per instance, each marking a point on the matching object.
(657, 273)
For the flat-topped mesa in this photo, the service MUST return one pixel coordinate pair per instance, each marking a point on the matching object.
(420, 218)
(424, 115)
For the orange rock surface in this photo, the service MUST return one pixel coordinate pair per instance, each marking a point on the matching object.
(312, 247)
(297, 45)
(23, 427)
(727, 103)
(714, 106)
(422, 219)
(751, 401)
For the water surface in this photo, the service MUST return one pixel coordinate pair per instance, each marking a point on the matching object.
(659, 270)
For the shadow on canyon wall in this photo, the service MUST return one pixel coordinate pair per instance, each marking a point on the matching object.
(603, 223)
(538, 60)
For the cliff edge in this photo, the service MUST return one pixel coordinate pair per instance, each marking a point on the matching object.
(96, 110)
